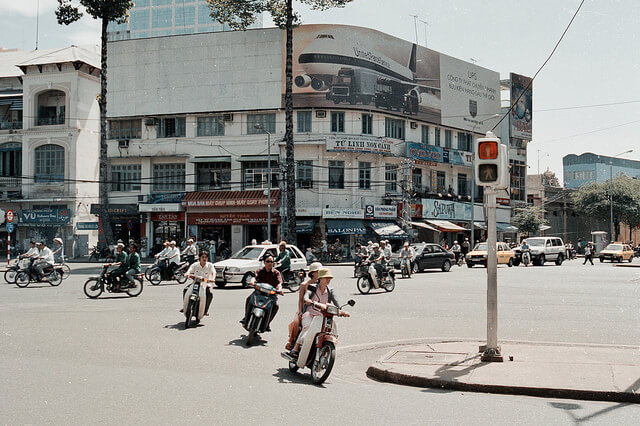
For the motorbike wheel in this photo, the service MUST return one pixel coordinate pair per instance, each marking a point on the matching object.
(322, 365)
(10, 276)
(66, 271)
(180, 277)
(188, 313)
(92, 288)
(293, 367)
(390, 284)
(54, 278)
(135, 291)
(363, 284)
(294, 284)
(155, 277)
(22, 279)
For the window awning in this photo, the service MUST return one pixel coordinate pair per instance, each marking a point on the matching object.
(445, 226)
(388, 230)
(229, 198)
(257, 158)
(305, 226)
(16, 105)
(505, 227)
(423, 226)
(345, 227)
(220, 159)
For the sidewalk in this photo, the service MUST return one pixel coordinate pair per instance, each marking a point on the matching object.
(575, 371)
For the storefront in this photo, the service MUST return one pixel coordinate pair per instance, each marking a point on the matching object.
(165, 222)
(126, 223)
(42, 224)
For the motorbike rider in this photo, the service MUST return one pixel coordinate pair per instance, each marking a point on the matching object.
(407, 254)
(121, 262)
(190, 252)
(162, 255)
(465, 246)
(58, 251)
(267, 275)
(283, 261)
(385, 247)
(361, 253)
(310, 256)
(294, 326)
(378, 261)
(203, 269)
(173, 257)
(524, 248)
(316, 299)
(133, 264)
(32, 254)
(457, 250)
(45, 259)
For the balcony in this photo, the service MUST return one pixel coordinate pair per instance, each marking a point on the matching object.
(7, 183)
(10, 125)
(50, 121)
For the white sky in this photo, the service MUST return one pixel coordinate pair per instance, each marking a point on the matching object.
(598, 61)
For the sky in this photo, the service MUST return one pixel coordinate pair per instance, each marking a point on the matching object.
(597, 63)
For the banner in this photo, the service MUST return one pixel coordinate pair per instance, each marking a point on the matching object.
(45, 216)
(342, 213)
(441, 209)
(438, 154)
(360, 143)
(522, 111)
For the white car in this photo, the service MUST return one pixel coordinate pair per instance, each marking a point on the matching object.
(242, 266)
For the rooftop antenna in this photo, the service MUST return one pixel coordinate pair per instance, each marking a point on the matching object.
(415, 25)
(37, 21)
(425, 31)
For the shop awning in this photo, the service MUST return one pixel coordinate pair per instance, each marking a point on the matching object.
(423, 226)
(388, 230)
(229, 198)
(257, 158)
(219, 159)
(505, 227)
(445, 226)
(345, 227)
(305, 226)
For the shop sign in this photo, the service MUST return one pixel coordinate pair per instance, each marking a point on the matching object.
(167, 217)
(363, 143)
(342, 213)
(441, 209)
(237, 202)
(45, 216)
(117, 209)
(87, 226)
(308, 211)
(171, 197)
(437, 154)
(164, 207)
(239, 218)
(415, 210)
(384, 212)
(503, 201)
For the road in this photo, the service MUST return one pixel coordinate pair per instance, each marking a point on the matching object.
(66, 359)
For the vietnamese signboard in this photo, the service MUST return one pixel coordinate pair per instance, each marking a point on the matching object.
(87, 226)
(236, 218)
(364, 143)
(442, 209)
(116, 209)
(342, 213)
(380, 212)
(45, 216)
(438, 154)
(522, 111)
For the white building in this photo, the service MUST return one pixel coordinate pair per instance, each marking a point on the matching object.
(49, 144)
(183, 112)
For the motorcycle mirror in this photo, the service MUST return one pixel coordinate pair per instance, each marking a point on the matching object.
(351, 302)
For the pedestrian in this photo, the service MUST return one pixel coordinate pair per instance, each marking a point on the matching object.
(588, 253)
(212, 251)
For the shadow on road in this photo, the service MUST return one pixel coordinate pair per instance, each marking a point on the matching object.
(180, 326)
(284, 375)
(241, 341)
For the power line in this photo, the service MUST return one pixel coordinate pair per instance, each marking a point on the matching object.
(590, 132)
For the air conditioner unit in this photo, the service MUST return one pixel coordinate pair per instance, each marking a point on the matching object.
(227, 117)
(123, 143)
(414, 125)
(151, 122)
(321, 114)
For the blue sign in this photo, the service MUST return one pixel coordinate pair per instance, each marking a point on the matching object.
(44, 216)
(170, 197)
(438, 154)
(10, 227)
(87, 226)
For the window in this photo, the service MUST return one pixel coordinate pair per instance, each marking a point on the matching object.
(425, 135)
(168, 177)
(139, 19)
(437, 136)
(256, 174)
(173, 127)
(336, 174)
(364, 175)
(305, 174)
(125, 129)
(266, 121)
(213, 176)
(51, 108)
(448, 138)
(416, 179)
(394, 128)
(441, 181)
(391, 178)
(464, 141)
(125, 177)
(185, 15)
(582, 175)
(463, 185)
(161, 17)
(367, 124)
(304, 121)
(337, 122)
(11, 161)
(210, 126)
(49, 163)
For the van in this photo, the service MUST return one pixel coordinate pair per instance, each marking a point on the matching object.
(545, 249)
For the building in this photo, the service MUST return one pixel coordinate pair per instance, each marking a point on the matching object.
(156, 18)
(49, 143)
(587, 168)
(383, 131)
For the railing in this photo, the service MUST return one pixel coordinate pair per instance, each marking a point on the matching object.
(10, 182)
(124, 134)
(50, 121)
(4, 125)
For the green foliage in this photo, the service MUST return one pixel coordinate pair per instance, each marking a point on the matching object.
(528, 219)
(109, 10)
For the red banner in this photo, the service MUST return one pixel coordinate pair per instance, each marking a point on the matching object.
(415, 210)
(167, 217)
(237, 218)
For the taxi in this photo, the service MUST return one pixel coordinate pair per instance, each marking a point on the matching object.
(616, 252)
(478, 256)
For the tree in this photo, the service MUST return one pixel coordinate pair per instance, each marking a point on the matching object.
(529, 219)
(594, 200)
(239, 14)
(106, 11)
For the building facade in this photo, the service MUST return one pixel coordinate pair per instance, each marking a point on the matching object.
(587, 168)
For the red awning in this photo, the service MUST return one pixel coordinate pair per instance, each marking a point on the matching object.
(229, 198)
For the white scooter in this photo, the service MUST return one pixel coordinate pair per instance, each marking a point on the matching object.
(194, 301)
(318, 351)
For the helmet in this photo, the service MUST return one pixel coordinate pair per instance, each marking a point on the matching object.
(455, 242)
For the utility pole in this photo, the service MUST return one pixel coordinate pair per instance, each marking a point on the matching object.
(425, 31)
(491, 352)
(564, 214)
(406, 186)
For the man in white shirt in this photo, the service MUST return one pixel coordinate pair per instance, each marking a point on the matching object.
(173, 256)
(32, 254)
(45, 259)
(190, 252)
(203, 269)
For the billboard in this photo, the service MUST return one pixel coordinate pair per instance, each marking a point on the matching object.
(522, 111)
(361, 68)
(438, 154)
(364, 143)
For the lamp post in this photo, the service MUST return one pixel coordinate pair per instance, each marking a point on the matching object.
(260, 127)
(611, 189)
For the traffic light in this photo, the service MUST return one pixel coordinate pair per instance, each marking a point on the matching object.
(491, 162)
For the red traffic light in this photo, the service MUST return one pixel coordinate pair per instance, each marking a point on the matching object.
(488, 150)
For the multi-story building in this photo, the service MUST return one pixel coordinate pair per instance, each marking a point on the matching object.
(587, 168)
(49, 142)
(379, 123)
(155, 18)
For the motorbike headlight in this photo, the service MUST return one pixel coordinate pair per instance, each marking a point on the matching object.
(332, 310)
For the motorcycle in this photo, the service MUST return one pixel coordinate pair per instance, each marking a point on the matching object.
(52, 275)
(194, 301)
(366, 282)
(406, 266)
(261, 303)
(522, 256)
(318, 351)
(157, 273)
(96, 285)
(358, 266)
(98, 253)
(14, 267)
(292, 280)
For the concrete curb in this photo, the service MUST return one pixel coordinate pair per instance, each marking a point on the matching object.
(388, 376)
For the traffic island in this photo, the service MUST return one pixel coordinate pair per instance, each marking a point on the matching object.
(552, 370)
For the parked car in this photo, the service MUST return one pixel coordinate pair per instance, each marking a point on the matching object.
(616, 252)
(544, 249)
(431, 256)
(478, 256)
(241, 267)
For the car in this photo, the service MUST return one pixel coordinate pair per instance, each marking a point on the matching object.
(544, 249)
(616, 252)
(432, 256)
(241, 267)
(478, 256)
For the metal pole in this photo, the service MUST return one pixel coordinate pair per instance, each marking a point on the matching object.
(269, 184)
(425, 32)
(611, 197)
(492, 350)
(473, 191)
(415, 25)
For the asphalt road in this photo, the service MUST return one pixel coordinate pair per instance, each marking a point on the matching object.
(66, 359)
